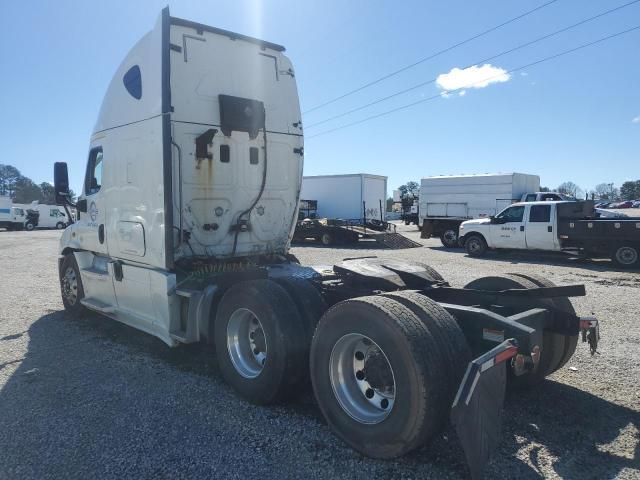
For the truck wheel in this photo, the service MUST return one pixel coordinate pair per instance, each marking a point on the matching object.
(563, 304)
(626, 256)
(60, 225)
(475, 246)
(446, 332)
(259, 340)
(449, 238)
(326, 239)
(552, 350)
(29, 226)
(71, 285)
(377, 377)
(310, 304)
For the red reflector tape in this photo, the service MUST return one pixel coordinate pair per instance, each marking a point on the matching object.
(507, 354)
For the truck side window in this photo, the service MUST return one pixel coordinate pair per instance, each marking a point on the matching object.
(93, 180)
(531, 197)
(512, 214)
(540, 213)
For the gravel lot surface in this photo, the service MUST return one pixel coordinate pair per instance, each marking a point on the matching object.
(91, 398)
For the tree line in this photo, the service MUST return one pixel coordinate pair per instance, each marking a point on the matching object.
(24, 190)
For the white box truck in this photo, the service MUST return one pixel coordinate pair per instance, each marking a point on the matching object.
(44, 216)
(184, 224)
(12, 217)
(350, 197)
(447, 201)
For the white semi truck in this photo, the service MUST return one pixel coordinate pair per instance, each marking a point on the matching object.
(184, 223)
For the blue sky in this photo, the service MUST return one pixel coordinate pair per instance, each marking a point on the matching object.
(567, 119)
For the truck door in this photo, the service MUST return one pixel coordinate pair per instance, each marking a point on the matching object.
(90, 228)
(508, 228)
(540, 232)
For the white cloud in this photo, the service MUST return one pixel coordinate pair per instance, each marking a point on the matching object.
(635, 119)
(472, 77)
(462, 93)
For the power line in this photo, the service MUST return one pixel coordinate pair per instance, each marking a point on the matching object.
(493, 57)
(422, 60)
(546, 59)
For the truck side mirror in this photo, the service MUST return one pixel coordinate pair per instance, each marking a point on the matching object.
(81, 205)
(61, 183)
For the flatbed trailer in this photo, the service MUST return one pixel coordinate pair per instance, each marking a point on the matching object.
(183, 231)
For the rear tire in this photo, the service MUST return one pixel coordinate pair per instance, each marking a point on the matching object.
(326, 239)
(449, 238)
(626, 256)
(71, 287)
(563, 304)
(553, 347)
(399, 362)
(475, 245)
(446, 332)
(260, 341)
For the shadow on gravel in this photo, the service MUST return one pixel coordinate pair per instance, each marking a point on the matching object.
(70, 408)
(543, 258)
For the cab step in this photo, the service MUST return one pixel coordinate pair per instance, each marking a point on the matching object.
(97, 305)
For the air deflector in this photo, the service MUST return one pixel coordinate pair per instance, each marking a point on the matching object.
(241, 114)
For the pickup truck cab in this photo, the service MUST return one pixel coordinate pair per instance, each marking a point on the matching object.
(567, 226)
(545, 197)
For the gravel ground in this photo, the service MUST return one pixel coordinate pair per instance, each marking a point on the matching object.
(92, 398)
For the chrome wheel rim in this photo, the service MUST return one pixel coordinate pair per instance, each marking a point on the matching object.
(362, 379)
(627, 255)
(246, 343)
(70, 286)
(326, 239)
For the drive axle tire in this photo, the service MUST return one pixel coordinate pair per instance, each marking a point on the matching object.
(626, 256)
(553, 348)
(260, 341)
(446, 332)
(563, 304)
(310, 304)
(475, 245)
(377, 376)
(71, 285)
(449, 238)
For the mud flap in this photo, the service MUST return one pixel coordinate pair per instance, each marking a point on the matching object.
(477, 409)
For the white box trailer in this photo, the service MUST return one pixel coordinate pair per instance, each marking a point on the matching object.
(349, 197)
(446, 201)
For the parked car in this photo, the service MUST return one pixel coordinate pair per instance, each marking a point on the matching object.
(627, 204)
(636, 204)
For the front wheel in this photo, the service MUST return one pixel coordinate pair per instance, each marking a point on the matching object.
(626, 256)
(29, 226)
(475, 246)
(326, 239)
(71, 285)
(449, 238)
(60, 225)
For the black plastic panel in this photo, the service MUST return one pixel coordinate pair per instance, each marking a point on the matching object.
(241, 115)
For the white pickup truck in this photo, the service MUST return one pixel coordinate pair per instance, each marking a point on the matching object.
(555, 226)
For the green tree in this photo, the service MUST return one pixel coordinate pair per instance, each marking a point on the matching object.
(389, 204)
(9, 177)
(630, 190)
(408, 193)
(26, 191)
